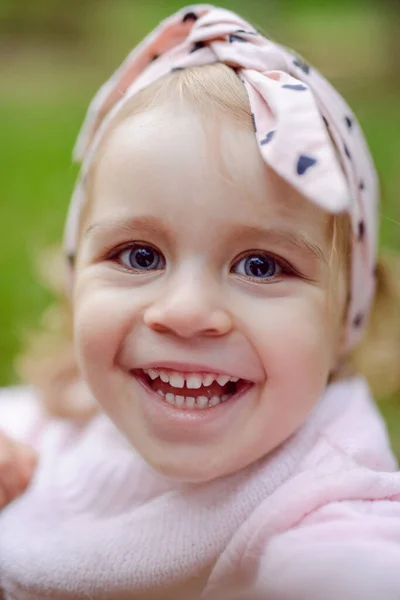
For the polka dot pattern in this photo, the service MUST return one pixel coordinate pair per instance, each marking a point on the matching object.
(298, 62)
(349, 122)
(236, 38)
(304, 163)
(305, 130)
(347, 151)
(190, 16)
(361, 231)
(298, 87)
(267, 138)
(197, 46)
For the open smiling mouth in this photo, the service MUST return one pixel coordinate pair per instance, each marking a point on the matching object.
(192, 390)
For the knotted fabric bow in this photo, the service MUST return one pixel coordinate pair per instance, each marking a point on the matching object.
(305, 130)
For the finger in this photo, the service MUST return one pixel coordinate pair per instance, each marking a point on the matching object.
(27, 460)
(3, 498)
(17, 464)
(6, 448)
(11, 479)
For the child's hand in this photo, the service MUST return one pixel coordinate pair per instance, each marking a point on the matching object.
(17, 463)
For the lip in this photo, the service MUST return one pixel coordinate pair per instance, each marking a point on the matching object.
(185, 425)
(192, 368)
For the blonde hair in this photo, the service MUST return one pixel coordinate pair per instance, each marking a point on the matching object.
(378, 356)
(49, 362)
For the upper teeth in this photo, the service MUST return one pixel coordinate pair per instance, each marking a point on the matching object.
(191, 380)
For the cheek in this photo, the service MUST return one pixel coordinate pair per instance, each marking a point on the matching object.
(294, 341)
(101, 319)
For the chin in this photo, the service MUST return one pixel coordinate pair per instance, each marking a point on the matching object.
(185, 472)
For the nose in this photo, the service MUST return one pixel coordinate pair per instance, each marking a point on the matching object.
(187, 309)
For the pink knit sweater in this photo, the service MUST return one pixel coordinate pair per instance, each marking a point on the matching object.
(319, 519)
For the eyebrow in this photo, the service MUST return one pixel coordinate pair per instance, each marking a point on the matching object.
(289, 238)
(126, 225)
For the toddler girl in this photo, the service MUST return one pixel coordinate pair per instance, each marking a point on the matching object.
(222, 265)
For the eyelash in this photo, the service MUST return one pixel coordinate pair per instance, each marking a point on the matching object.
(286, 268)
(116, 254)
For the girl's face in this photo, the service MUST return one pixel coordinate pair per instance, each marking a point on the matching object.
(206, 318)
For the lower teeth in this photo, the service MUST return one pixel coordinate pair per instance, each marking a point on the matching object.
(190, 402)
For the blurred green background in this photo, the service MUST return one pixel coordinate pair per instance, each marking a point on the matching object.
(54, 54)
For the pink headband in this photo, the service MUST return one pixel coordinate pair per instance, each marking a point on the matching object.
(296, 114)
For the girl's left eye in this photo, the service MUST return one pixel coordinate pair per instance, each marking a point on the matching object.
(141, 257)
(257, 266)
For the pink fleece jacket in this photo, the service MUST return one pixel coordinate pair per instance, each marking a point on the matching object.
(318, 519)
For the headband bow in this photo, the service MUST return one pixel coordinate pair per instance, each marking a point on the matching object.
(296, 115)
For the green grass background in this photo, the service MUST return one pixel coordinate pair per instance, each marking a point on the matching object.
(48, 75)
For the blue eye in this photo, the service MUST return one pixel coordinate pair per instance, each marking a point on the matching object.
(142, 258)
(257, 266)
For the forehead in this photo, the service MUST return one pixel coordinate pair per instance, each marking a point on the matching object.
(179, 164)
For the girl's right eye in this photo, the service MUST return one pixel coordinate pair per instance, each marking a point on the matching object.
(140, 257)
